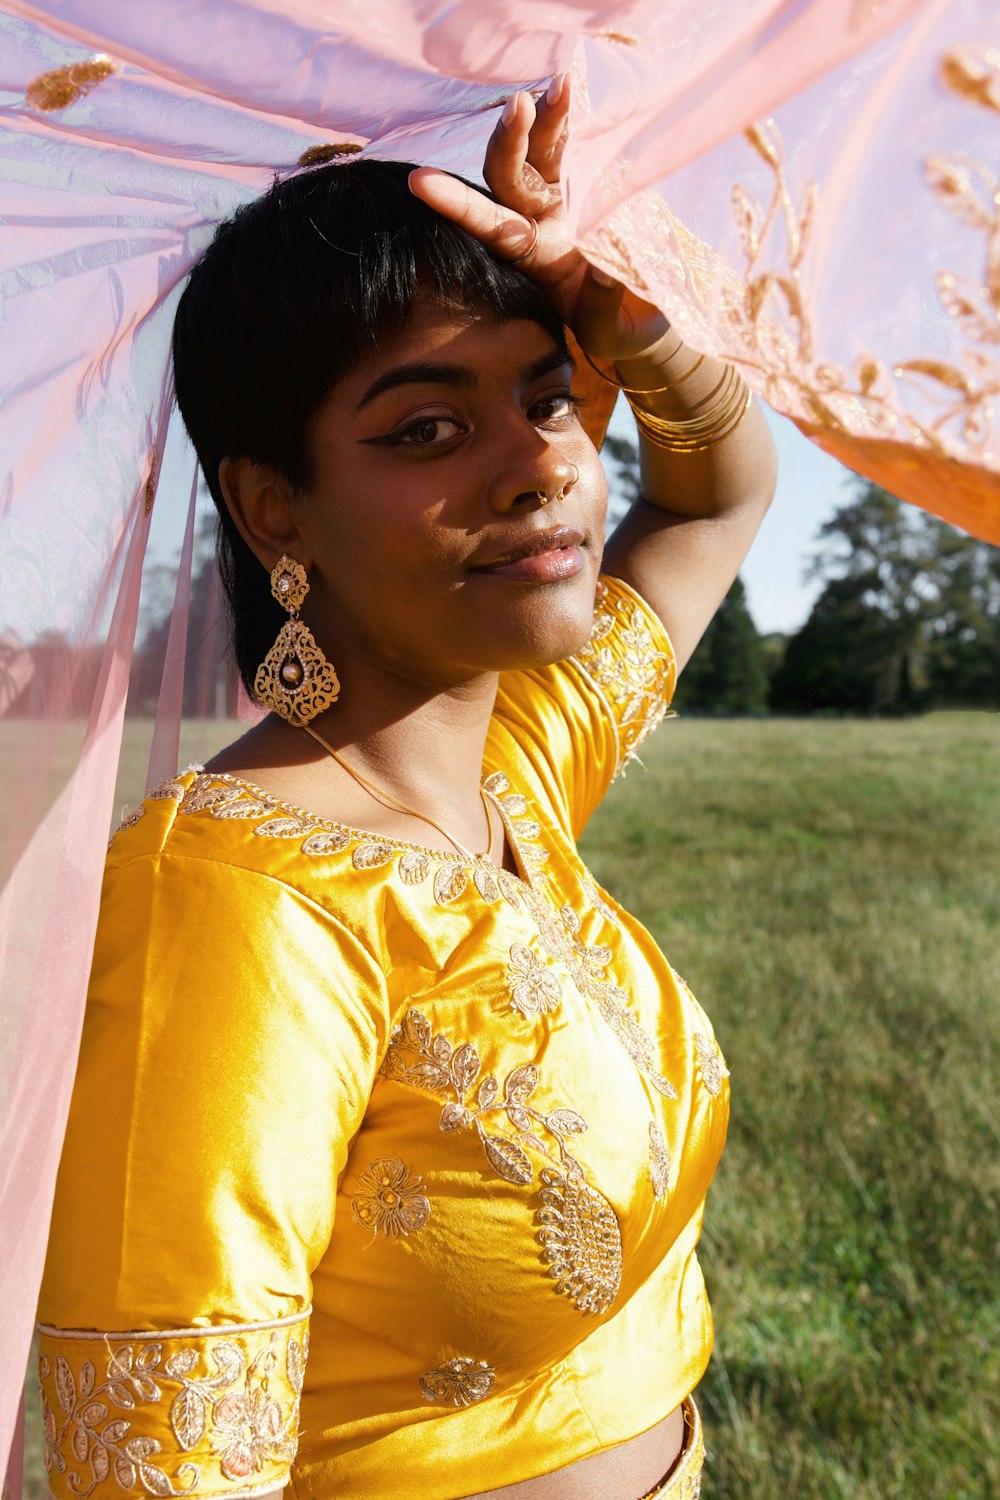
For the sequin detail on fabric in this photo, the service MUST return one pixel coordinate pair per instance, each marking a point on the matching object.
(578, 1228)
(194, 1413)
(622, 661)
(659, 1162)
(390, 1200)
(459, 1382)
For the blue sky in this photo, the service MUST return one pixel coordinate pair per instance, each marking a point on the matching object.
(811, 485)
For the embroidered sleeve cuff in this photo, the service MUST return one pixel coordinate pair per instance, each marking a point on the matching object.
(199, 1411)
(629, 661)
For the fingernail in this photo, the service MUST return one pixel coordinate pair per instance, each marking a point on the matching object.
(555, 88)
(601, 277)
(509, 110)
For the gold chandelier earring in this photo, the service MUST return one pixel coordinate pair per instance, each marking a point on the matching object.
(295, 679)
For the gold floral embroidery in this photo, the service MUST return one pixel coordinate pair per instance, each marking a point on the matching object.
(460, 1381)
(560, 936)
(659, 1161)
(61, 87)
(772, 332)
(158, 1420)
(534, 989)
(622, 662)
(579, 1230)
(225, 797)
(390, 1200)
(711, 1067)
(524, 833)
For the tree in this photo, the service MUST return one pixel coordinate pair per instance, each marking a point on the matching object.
(909, 616)
(726, 673)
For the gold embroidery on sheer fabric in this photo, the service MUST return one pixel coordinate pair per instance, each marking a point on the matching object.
(579, 1230)
(774, 333)
(587, 966)
(633, 678)
(61, 87)
(711, 1067)
(460, 1381)
(659, 1161)
(390, 1200)
(534, 988)
(173, 1413)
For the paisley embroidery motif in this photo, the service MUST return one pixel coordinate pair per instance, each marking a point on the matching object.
(460, 1382)
(578, 1227)
(390, 1200)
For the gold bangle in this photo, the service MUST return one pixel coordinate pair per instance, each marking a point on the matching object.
(696, 434)
(695, 443)
(655, 390)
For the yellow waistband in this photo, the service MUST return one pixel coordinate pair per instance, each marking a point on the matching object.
(684, 1480)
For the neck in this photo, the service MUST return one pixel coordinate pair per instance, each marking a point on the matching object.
(422, 747)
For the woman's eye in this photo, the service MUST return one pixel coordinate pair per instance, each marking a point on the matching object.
(425, 431)
(555, 408)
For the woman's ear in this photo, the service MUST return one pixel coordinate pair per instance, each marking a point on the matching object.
(264, 509)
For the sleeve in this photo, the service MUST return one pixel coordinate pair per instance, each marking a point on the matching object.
(232, 1035)
(582, 720)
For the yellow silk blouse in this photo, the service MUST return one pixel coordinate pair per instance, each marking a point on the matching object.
(385, 1168)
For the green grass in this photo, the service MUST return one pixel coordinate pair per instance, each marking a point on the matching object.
(830, 890)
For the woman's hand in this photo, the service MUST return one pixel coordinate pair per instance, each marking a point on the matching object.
(525, 223)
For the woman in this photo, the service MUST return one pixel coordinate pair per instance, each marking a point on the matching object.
(363, 1036)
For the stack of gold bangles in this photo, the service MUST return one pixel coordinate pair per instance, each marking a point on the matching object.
(712, 418)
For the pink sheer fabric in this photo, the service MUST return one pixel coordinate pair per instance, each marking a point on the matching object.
(845, 253)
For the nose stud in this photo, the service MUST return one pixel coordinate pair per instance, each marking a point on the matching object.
(543, 498)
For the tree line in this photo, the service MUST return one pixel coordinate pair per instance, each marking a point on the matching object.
(907, 620)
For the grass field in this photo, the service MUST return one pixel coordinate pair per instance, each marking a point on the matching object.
(831, 890)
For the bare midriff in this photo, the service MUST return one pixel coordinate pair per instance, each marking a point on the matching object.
(621, 1473)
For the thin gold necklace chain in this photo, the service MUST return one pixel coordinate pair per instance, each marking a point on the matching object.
(384, 796)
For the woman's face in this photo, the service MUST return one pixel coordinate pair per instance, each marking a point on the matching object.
(427, 463)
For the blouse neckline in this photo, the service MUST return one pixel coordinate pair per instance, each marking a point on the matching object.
(501, 787)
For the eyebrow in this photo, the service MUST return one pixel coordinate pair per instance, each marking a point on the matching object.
(424, 373)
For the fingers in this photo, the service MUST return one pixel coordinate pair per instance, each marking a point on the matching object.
(547, 136)
(504, 230)
(525, 151)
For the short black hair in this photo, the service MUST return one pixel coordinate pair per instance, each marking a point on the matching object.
(294, 290)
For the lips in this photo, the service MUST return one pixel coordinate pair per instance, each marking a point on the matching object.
(545, 557)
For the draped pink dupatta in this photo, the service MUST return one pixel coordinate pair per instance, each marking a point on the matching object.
(805, 186)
